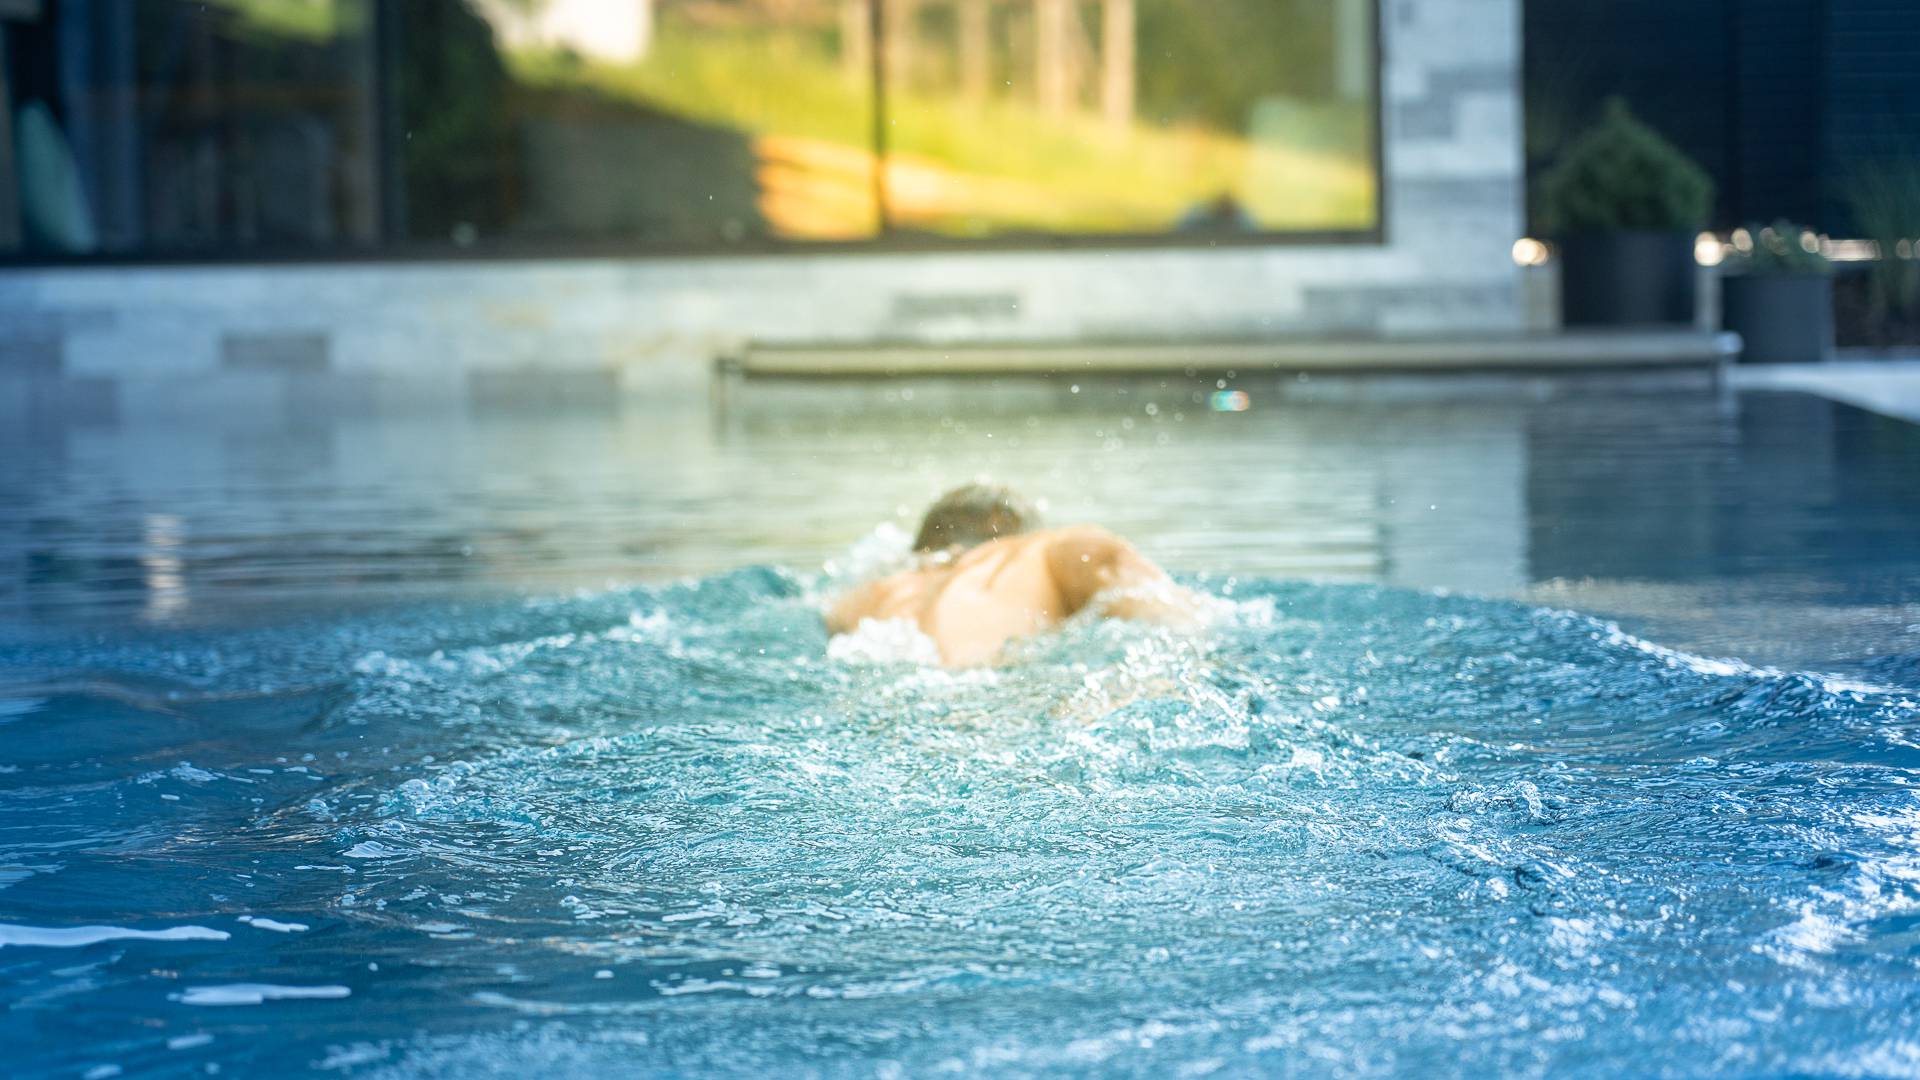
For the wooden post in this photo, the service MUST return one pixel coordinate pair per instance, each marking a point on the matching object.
(976, 49)
(1053, 74)
(1116, 63)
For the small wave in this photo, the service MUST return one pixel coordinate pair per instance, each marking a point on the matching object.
(12, 708)
(1711, 666)
(256, 994)
(1513, 840)
(73, 937)
(274, 925)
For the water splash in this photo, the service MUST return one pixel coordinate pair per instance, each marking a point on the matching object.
(1347, 830)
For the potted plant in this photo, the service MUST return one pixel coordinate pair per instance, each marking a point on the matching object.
(1777, 294)
(1884, 197)
(1625, 205)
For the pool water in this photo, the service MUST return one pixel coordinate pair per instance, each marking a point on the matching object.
(336, 751)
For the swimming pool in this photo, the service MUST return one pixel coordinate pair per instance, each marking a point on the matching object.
(1543, 737)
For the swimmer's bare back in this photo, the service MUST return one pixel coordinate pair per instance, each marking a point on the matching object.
(973, 603)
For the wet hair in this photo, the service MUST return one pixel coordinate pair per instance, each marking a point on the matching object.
(974, 514)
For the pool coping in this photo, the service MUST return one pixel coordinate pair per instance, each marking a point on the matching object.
(1889, 387)
(1565, 351)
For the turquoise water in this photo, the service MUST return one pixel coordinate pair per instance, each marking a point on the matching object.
(1360, 827)
(1351, 831)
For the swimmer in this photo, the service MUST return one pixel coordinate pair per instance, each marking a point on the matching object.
(986, 573)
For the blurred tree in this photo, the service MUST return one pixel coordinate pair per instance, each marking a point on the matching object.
(1213, 67)
(457, 134)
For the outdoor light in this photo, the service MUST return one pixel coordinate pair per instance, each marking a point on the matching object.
(1708, 250)
(1530, 252)
(1742, 241)
(1849, 250)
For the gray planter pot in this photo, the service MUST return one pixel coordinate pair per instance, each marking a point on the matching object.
(1627, 279)
(1782, 318)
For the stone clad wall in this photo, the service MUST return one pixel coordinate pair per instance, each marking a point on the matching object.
(163, 337)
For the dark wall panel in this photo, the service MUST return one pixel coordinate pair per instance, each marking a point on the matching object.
(1873, 89)
(1781, 100)
(1777, 111)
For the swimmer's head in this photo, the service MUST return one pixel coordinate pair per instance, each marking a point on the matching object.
(974, 514)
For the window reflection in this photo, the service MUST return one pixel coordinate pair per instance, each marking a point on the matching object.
(229, 126)
(1129, 116)
(694, 119)
(145, 125)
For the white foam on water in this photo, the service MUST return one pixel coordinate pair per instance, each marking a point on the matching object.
(74, 937)
(884, 550)
(379, 664)
(885, 641)
(705, 986)
(1812, 934)
(1176, 605)
(653, 626)
(684, 916)
(101, 1072)
(188, 1042)
(256, 994)
(274, 925)
(348, 1057)
(186, 771)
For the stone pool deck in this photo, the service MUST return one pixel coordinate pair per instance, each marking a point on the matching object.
(1890, 387)
(1530, 353)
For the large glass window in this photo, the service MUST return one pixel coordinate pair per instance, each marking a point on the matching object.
(704, 121)
(153, 125)
(1129, 116)
(226, 127)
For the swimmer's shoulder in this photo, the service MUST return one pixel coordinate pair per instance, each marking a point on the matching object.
(899, 594)
(873, 600)
(1086, 560)
(1093, 535)
(1061, 541)
(1085, 545)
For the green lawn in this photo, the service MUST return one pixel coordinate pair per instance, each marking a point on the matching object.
(976, 168)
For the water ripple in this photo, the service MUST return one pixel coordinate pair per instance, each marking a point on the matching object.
(1352, 831)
